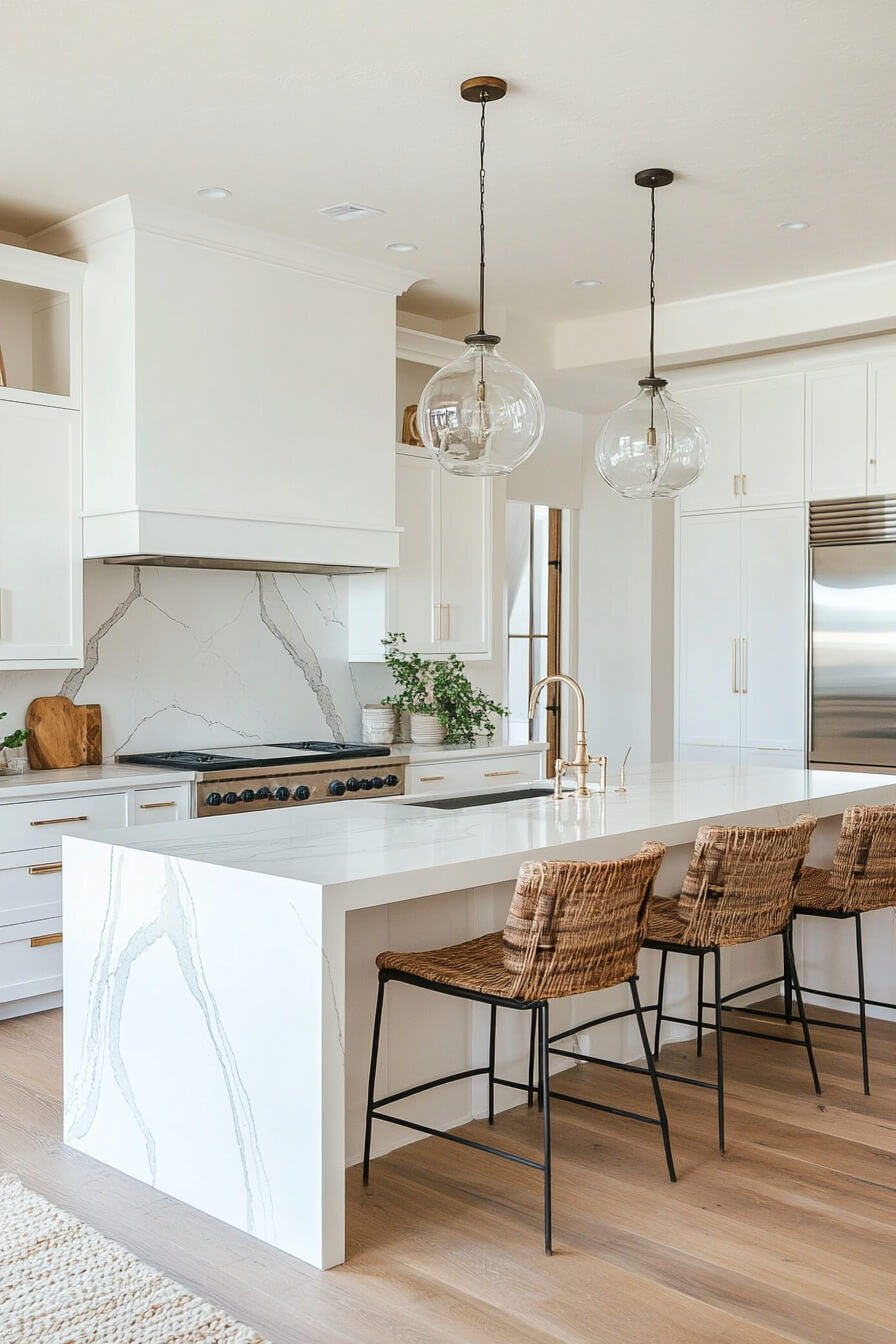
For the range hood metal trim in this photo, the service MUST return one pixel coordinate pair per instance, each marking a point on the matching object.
(265, 566)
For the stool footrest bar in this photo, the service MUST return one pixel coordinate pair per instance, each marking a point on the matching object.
(425, 1087)
(599, 1106)
(456, 1138)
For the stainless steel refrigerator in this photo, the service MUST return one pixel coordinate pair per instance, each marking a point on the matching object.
(852, 633)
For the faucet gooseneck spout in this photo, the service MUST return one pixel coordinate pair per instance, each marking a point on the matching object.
(581, 761)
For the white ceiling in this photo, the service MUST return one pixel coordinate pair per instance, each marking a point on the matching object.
(768, 110)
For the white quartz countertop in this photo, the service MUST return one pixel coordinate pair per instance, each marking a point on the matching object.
(418, 754)
(367, 853)
(86, 779)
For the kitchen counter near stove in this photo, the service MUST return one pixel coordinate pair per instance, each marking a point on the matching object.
(220, 975)
(86, 779)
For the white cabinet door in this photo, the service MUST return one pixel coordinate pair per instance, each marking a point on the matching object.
(709, 704)
(836, 423)
(40, 537)
(773, 627)
(772, 440)
(718, 411)
(414, 587)
(464, 615)
(882, 428)
(169, 802)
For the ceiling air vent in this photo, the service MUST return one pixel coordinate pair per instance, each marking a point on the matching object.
(348, 210)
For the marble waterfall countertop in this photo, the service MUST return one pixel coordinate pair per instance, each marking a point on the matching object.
(368, 852)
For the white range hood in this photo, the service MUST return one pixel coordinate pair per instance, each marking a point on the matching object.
(238, 394)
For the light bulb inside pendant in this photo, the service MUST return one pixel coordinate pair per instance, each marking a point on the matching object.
(651, 448)
(481, 415)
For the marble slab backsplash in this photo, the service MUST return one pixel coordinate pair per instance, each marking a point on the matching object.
(209, 658)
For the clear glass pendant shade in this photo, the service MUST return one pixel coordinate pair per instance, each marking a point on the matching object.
(480, 415)
(651, 448)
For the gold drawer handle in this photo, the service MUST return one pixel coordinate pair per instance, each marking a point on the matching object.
(145, 807)
(58, 821)
(430, 779)
(493, 774)
(38, 869)
(45, 939)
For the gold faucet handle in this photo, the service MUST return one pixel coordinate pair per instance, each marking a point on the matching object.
(602, 762)
(560, 768)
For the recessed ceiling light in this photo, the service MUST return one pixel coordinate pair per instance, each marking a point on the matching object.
(588, 284)
(348, 210)
(214, 193)
(401, 247)
(794, 225)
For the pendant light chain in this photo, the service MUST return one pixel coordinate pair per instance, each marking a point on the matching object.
(483, 101)
(652, 278)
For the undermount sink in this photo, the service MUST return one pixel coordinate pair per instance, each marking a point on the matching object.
(485, 799)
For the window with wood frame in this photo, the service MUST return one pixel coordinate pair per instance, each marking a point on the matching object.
(534, 541)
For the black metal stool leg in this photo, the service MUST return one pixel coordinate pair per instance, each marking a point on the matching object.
(532, 1024)
(700, 1004)
(798, 994)
(788, 982)
(651, 1067)
(371, 1082)
(491, 1064)
(544, 1055)
(863, 1021)
(720, 1074)
(659, 1006)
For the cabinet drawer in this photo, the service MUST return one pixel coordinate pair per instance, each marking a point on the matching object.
(30, 959)
(31, 891)
(170, 803)
(490, 771)
(40, 825)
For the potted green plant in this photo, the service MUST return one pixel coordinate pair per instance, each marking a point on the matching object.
(442, 701)
(10, 743)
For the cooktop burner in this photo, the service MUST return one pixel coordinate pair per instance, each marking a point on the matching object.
(235, 758)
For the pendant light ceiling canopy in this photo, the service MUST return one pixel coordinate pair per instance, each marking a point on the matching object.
(480, 415)
(651, 448)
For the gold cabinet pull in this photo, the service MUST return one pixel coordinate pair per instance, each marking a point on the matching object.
(430, 779)
(57, 821)
(38, 869)
(444, 623)
(736, 484)
(493, 774)
(146, 807)
(45, 939)
(734, 685)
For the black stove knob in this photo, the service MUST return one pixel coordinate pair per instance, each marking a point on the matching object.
(391, 781)
(262, 793)
(302, 793)
(230, 798)
(366, 785)
(353, 785)
(377, 782)
(213, 800)
(337, 788)
(247, 796)
(281, 794)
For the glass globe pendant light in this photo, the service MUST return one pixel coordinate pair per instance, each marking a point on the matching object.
(480, 415)
(651, 448)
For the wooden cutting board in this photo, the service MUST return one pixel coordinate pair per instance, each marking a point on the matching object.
(63, 734)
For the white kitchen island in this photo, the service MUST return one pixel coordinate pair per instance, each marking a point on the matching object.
(219, 975)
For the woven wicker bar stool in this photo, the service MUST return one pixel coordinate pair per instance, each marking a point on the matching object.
(862, 878)
(738, 889)
(572, 928)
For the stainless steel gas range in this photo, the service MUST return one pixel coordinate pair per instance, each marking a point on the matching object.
(287, 774)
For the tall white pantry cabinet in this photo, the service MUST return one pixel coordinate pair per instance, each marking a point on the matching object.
(742, 582)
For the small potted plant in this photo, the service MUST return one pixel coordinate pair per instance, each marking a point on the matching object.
(11, 743)
(439, 696)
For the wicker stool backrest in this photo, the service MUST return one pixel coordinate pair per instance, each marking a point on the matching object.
(864, 868)
(573, 926)
(740, 881)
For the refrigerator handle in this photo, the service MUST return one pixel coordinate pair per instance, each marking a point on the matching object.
(735, 689)
(743, 666)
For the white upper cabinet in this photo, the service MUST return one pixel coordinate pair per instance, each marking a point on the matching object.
(771, 440)
(709, 630)
(465, 581)
(773, 626)
(882, 427)
(40, 539)
(718, 410)
(755, 438)
(414, 588)
(836, 412)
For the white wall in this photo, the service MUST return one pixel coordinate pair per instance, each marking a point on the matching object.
(553, 474)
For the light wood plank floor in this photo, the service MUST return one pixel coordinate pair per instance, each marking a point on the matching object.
(792, 1236)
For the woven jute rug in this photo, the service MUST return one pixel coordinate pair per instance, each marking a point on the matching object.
(63, 1283)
